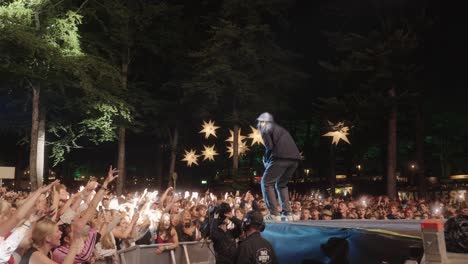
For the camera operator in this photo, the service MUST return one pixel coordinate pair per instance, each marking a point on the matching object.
(254, 249)
(224, 230)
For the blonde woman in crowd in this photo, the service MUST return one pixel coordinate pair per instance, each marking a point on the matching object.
(46, 236)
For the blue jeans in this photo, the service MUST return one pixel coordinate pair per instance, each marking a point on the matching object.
(275, 179)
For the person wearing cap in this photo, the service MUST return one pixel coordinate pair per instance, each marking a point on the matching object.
(254, 249)
(327, 215)
(224, 230)
(281, 159)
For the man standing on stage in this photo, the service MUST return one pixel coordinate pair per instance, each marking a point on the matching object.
(280, 160)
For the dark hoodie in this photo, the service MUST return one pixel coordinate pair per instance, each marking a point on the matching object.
(279, 144)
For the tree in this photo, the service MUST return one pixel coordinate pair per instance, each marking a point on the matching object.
(40, 49)
(118, 22)
(385, 62)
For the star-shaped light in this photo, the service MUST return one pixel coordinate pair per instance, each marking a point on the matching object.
(231, 137)
(209, 128)
(209, 153)
(242, 149)
(256, 136)
(339, 132)
(191, 157)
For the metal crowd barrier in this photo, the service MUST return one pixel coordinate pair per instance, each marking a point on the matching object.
(186, 253)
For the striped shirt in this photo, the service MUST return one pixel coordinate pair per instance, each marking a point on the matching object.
(84, 256)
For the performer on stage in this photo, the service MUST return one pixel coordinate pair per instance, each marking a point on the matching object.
(280, 160)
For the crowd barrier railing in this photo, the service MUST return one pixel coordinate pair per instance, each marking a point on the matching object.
(186, 253)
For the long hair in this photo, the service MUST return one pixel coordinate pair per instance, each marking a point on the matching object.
(161, 230)
(266, 128)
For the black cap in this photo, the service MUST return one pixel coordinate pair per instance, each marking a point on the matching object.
(254, 218)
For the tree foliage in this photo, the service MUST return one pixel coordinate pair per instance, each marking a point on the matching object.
(40, 43)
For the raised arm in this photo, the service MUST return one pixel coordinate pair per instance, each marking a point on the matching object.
(126, 233)
(99, 195)
(164, 196)
(24, 210)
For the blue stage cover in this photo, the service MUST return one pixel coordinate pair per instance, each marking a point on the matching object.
(301, 243)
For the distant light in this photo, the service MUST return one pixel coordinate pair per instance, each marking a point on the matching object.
(203, 182)
(459, 177)
(358, 167)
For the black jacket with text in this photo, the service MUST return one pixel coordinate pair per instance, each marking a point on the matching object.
(254, 249)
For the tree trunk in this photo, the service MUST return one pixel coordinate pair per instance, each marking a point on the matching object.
(158, 165)
(235, 151)
(36, 89)
(420, 169)
(392, 146)
(121, 166)
(174, 142)
(41, 147)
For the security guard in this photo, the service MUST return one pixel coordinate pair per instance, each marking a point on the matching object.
(254, 249)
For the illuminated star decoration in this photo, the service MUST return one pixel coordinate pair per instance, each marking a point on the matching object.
(190, 157)
(209, 128)
(231, 137)
(209, 153)
(242, 149)
(256, 136)
(339, 132)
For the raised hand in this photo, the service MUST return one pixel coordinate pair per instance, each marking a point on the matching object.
(159, 250)
(90, 186)
(111, 175)
(47, 188)
(34, 217)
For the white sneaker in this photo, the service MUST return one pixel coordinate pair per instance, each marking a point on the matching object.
(289, 217)
(270, 217)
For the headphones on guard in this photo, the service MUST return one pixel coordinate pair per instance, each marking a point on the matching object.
(253, 218)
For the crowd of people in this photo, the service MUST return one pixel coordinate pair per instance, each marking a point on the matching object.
(51, 225)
